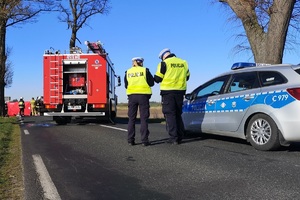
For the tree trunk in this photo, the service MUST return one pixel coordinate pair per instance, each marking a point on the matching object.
(278, 28)
(267, 46)
(2, 65)
(73, 39)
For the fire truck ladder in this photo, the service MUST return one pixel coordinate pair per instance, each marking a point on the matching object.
(55, 80)
(95, 47)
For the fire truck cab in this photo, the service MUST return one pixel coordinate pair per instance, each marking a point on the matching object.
(78, 84)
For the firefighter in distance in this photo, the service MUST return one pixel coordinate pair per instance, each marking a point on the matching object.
(21, 106)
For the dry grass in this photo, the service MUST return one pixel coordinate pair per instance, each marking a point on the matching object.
(155, 112)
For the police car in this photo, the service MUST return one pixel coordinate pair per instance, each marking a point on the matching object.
(256, 102)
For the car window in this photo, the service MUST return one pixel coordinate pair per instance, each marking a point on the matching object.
(212, 88)
(268, 78)
(243, 81)
(298, 71)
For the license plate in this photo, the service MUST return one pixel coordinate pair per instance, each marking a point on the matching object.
(74, 107)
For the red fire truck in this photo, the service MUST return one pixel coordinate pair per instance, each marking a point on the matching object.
(78, 84)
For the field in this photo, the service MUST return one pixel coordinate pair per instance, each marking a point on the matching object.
(155, 110)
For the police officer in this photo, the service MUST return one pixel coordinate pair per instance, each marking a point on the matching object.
(138, 82)
(172, 74)
(21, 106)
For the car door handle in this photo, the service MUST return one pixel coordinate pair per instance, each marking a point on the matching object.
(248, 98)
(90, 88)
(210, 102)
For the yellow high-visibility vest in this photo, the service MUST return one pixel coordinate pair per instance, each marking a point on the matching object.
(175, 76)
(137, 81)
(21, 104)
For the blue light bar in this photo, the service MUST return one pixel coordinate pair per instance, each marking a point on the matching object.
(240, 65)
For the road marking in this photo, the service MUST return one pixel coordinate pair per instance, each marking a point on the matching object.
(120, 129)
(50, 191)
(26, 132)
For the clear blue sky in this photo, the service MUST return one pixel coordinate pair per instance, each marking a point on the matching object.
(197, 31)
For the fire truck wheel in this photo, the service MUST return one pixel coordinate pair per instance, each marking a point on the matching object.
(62, 120)
(113, 115)
(110, 116)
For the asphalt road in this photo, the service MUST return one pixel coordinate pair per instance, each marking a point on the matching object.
(92, 160)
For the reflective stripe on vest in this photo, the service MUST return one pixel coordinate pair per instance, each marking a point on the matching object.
(137, 81)
(21, 104)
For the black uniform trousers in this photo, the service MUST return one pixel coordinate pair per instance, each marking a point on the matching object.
(141, 102)
(172, 110)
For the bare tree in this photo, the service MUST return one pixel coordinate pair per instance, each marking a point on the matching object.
(14, 12)
(266, 24)
(77, 14)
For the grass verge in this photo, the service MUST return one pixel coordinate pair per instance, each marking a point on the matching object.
(11, 178)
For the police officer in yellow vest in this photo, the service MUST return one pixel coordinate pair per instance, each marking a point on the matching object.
(138, 82)
(172, 74)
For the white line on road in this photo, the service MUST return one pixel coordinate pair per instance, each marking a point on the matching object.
(26, 132)
(50, 191)
(120, 129)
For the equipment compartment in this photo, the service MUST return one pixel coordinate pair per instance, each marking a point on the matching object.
(76, 80)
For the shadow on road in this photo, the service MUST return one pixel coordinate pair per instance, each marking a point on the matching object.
(124, 120)
(188, 137)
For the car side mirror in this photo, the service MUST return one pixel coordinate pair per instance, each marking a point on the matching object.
(119, 81)
(189, 96)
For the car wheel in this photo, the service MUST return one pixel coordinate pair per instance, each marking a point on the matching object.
(262, 132)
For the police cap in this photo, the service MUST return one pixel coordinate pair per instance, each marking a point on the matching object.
(138, 59)
(162, 53)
